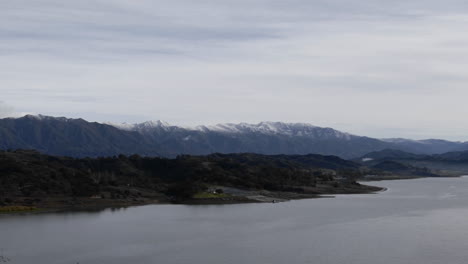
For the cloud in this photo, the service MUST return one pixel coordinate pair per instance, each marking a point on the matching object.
(378, 68)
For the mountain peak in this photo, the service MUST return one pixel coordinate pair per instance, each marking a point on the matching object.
(142, 127)
(77, 137)
(277, 128)
(153, 124)
(48, 118)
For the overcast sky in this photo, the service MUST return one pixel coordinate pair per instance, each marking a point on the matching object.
(377, 68)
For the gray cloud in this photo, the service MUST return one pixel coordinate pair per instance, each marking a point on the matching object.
(368, 67)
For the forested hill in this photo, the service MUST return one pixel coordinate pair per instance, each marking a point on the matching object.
(31, 174)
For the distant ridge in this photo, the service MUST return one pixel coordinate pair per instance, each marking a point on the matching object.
(80, 138)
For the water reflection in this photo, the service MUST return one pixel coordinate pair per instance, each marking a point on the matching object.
(415, 221)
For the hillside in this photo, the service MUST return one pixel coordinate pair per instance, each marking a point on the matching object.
(71, 137)
(401, 169)
(79, 138)
(30, 178)
(446, 164)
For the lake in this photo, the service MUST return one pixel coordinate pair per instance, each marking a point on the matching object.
(415, 221)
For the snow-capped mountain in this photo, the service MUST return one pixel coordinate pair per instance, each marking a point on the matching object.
(77, 137)
(144, 127)
(267, 128)
(278, 128)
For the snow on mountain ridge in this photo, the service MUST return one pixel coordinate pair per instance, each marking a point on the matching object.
(145, 126)
(269, 128)
(277, 128)
(45, 117)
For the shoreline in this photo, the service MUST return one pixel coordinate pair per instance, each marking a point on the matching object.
(234, 196)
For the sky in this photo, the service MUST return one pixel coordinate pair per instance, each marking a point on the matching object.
(376, 68)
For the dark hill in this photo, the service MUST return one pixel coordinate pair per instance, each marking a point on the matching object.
(30, 176)
(391, 154)
(71, 137)
(458, 156)
(401, 169)
(391, 166)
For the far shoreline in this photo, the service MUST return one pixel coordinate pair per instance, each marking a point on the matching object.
(73, 204)
(83, 204)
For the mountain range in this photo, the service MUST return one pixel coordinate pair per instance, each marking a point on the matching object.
(80, 138)
(447, 164)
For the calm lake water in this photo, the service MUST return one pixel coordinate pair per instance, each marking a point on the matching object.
(419, 221)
